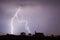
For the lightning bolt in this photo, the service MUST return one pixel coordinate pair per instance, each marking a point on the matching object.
(20, 21)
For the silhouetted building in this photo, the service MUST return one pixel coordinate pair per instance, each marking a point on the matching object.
(39, 34)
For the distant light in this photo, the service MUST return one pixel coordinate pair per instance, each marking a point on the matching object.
(20, 21)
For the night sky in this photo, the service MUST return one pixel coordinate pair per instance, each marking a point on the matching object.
(42, 16)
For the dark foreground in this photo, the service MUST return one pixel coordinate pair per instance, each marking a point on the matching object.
(23, 36)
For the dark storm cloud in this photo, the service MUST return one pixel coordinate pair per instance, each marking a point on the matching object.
(50, 17)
